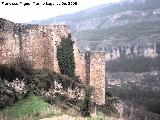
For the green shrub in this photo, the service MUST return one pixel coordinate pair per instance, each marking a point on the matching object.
(40, 81)
(23, 64)
(109, 94)
(60, 97)
(109, 108)
(8, 72)
(25, 107)
(86, 105)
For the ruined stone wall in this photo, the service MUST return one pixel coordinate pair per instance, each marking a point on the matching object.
(9, 41)
(97, 75)
(79, 62)
(39, 44)
(90, 66)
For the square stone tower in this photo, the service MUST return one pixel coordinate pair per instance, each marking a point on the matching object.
(95, 74)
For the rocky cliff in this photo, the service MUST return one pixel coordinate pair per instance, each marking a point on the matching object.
(114, 51)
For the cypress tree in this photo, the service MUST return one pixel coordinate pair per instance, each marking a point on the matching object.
(65, 56)
(86, 105)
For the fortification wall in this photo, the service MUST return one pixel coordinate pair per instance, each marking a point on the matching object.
(9, 43)
(39, 44)
(97, 75)
(79, 62)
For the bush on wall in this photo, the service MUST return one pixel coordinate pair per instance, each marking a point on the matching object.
(65, 57)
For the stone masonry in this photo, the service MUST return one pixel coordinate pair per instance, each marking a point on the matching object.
(97, 75)
(38, 44)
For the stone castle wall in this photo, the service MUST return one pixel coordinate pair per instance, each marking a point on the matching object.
(39, 44)
(9, 44)
(90, 66)
(97, 75)
(79, 63)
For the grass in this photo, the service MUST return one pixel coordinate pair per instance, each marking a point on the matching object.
(34, 108)
(99, 116)
(25, 107)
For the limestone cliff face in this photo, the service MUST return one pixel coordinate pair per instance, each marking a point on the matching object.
(114, 51)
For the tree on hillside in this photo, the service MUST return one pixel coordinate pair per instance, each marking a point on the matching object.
(86, 105)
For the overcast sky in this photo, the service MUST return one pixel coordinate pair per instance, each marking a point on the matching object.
(28, 13)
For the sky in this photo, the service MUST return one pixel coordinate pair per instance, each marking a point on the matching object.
(20, 13)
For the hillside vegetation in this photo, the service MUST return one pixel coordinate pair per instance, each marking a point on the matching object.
(23, 108)
(135, 64)
(103, 10)
(124, 22)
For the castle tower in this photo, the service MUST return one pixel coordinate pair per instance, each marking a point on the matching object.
(95, 74)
